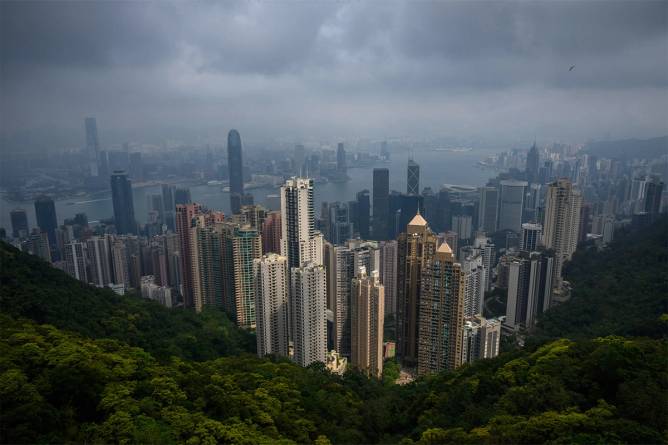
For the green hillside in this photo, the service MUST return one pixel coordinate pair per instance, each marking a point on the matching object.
(31, 288)
(78, 364)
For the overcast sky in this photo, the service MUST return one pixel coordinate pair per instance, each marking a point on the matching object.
(297, 69)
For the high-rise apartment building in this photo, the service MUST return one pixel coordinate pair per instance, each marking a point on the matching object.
(381, 203)
(271, 304)
(367, 323)
(481, 338)
(184, 222)
(529, 288)
(124, 210)
(340, 269)
(388, 274)
(562, 222)
(474, 276)
(308, 306)
(235, 168)
(246, 248)
(531, 236)
(415, 248)
(271, 233)
(441, 313)
(75, 260)
(99, 258)
(413, 178)
(300, 242)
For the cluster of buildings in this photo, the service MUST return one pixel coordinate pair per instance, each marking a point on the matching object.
(321, 289)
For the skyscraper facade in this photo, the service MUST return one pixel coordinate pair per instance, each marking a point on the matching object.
(45, 212)
(367, 323)
(247, 247)
(341, 166)
(415, 248)
(124, 211)
(562, 222)
(363, 215)
(511, 205)
(184, 222)
(235, 167)
(99, 257)
(19, 219)
(531, 236)
(441, 313)
(413, 178)
(488, 209)
(388, 274)
(533, 163)
(308, 305)
(300, 242)
(381, 203)
(271, 304)
(271, 233)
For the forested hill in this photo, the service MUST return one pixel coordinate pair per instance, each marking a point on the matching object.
(31, 288)
(123, 370)
(621, 290)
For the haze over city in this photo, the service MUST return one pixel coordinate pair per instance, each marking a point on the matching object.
(487, 72)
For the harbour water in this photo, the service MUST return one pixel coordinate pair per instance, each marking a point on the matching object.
(436, 168)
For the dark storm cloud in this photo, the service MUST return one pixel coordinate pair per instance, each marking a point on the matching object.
(338, 67)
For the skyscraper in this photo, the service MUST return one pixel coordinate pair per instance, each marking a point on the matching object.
(124, 210)
(99, 258)
(413, 178)
(381, 203)
(488, 209)
(75, 260)
(511, 205)
(416, 247)
(531, 236)
(388, 274)
(529, 288)
(532, 166)
(19, 219)
(653, 190)
(562, 222)
(271, 304)
(367, 315)
(481, 338)
(92, 146)
(271, 233)
(441, 315)
(308, 305)
(45, 212)
(363, 214)
(246, 248)
(341, 166)
(184, 221)
(300, 242)
(340, 272)
(235, 166)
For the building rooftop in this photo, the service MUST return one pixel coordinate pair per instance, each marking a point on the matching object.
(418, 220)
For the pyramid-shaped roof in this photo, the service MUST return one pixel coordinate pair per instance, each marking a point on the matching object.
(418, 220)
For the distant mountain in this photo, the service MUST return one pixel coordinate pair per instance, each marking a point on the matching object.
(629, 148)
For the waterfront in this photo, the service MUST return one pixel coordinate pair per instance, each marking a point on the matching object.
(436, 168)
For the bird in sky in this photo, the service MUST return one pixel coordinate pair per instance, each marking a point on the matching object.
(571, 68)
